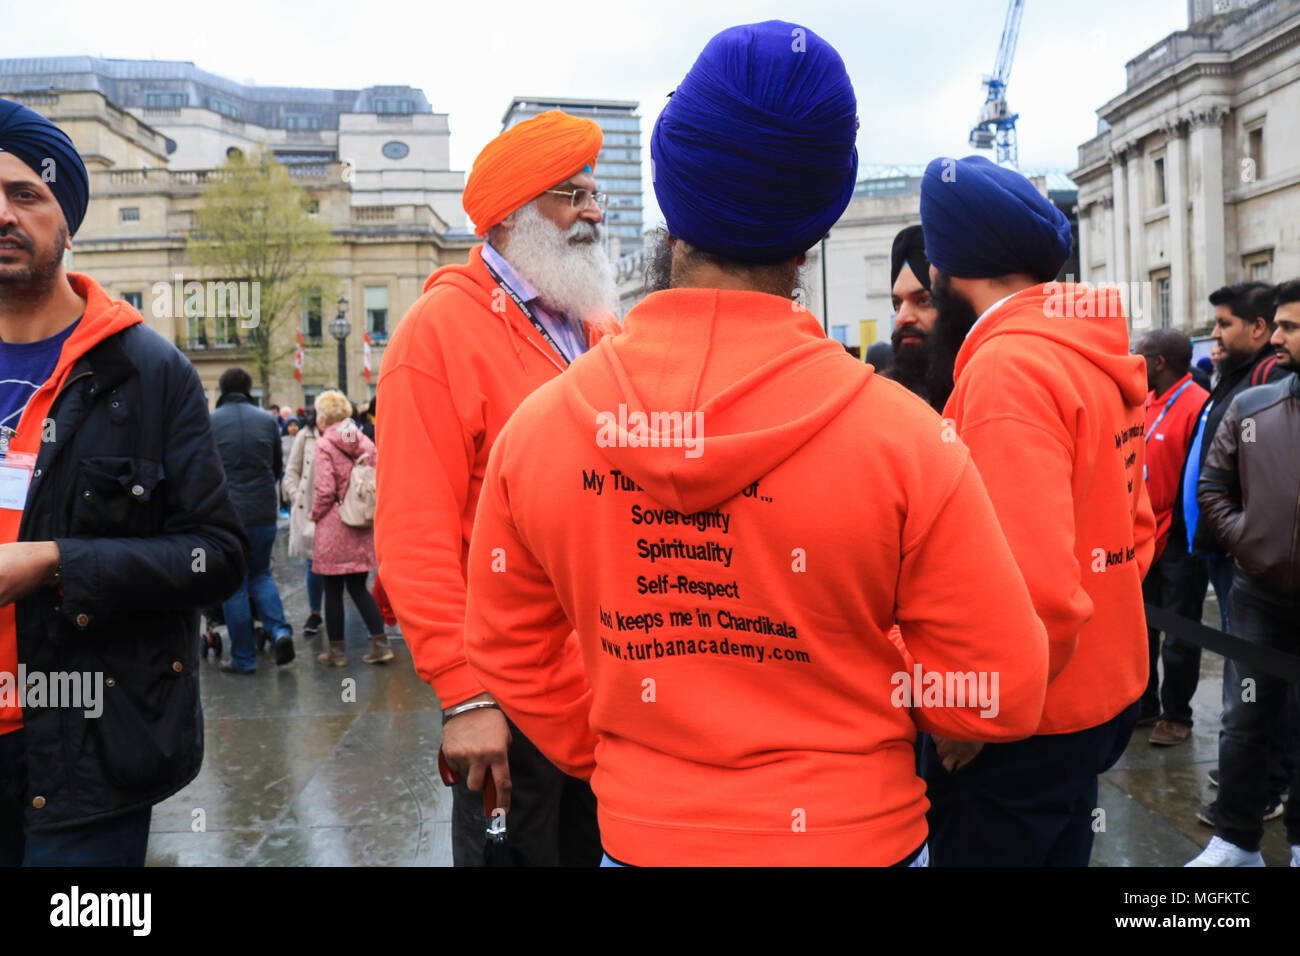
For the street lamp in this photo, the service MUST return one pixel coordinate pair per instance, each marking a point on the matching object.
(341, 328)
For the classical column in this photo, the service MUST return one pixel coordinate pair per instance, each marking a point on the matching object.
(1085, 241)
(1176, 197)
(1118, 219)
(1137, 269)
(1205, 145)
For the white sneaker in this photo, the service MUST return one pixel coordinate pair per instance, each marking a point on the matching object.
(1220, 852)
(1295, 855)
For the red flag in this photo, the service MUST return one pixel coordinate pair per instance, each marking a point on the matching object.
(299, 356)
(365, 354)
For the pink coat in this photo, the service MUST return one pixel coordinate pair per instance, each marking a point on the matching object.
(340, 548)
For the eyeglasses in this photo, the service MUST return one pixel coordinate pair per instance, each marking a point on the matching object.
(579, 198)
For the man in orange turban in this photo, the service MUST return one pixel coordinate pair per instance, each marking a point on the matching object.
(532, 298)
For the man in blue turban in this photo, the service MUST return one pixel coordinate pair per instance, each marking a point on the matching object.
(1050, 403)
(112, 486)
(754, 157)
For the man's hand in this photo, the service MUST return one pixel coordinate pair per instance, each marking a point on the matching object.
(26, 566)
(475, 743)
(955, 754)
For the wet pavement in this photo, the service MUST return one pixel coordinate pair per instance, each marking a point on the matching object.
(309, 765)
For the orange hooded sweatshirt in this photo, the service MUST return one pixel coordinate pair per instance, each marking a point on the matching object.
(733, 693)
(103, 317)
(458, 365)
(1051, 405)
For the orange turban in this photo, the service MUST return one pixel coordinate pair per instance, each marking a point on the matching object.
(524, 162)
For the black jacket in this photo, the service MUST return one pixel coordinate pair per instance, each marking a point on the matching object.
(133, 492)
(249, 441)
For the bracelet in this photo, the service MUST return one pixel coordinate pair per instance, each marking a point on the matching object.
(465, 708)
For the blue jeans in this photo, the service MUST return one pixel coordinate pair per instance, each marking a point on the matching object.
(315, 589)
(260, 584)
(119, 841)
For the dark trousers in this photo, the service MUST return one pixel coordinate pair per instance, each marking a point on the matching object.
(119, 841)
(1176, 582)
(552, 819)
(365, 604)
(1027, 803)
(1250, 726)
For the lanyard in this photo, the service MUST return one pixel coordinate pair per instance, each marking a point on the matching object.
(1165, 411)
(523, 307)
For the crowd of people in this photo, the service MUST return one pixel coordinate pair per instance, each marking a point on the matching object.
(700, 588)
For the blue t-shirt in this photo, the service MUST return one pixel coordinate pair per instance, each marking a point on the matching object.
(24, 368)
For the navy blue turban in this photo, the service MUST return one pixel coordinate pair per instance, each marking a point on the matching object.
(982, 221)
(49, 153)
(754, 156)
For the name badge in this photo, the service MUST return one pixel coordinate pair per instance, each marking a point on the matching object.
(15, 477)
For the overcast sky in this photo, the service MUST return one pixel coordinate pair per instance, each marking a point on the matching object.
(916, 66)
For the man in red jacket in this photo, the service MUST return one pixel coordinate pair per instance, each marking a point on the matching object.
(480, 339)
(1050, 402)
(1176, 580)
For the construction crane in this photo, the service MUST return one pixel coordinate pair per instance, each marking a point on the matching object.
(996, 126)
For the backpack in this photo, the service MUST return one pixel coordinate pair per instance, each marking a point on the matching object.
(357, 507)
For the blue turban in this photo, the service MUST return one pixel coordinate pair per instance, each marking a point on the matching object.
(49, 153)
(982, 221)
(754, 156)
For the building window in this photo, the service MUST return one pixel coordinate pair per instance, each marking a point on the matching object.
(1258, 266)
(302, 122)
(129, 214)
(313, 207)
(840, 333)
(386, 105)
(377, 312)
(166, 99)
(134, 299)
(226, 330)
(396, 149)
(224, 108)
(1160, 283)
(1255, 151)
(257, 397)
(1158, 181)
(312, 310)
(196, 334)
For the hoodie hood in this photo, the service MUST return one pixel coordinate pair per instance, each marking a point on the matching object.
(708, 390)
(1090, 321)
(352, 441)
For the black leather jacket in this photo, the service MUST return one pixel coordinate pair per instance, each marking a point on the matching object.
(1249, 490)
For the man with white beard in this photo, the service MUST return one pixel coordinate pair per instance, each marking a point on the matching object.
(536, 295)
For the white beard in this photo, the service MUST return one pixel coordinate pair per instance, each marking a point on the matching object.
(572, 278)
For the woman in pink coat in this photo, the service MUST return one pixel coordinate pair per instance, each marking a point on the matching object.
(344, 555)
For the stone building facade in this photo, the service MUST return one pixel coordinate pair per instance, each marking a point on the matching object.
(1193, 180)
(141, 210)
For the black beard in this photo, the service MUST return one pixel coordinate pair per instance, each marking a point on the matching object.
(911, 367)
(659, 263)
(955, 319)
(34, 284)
